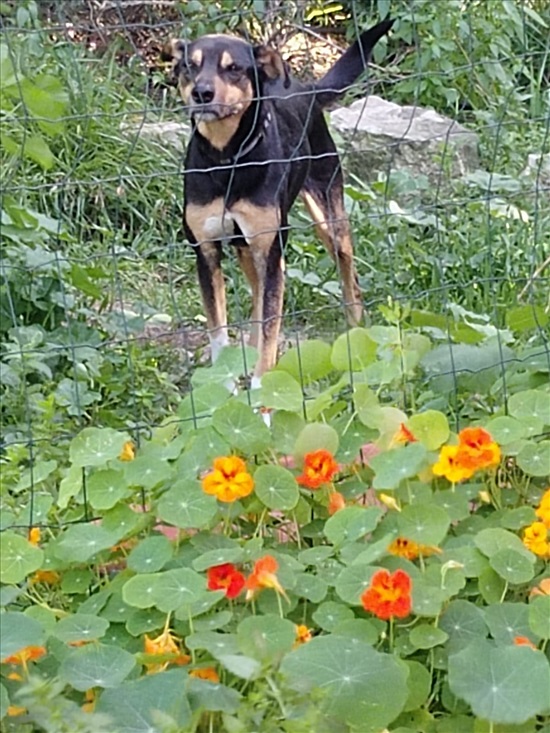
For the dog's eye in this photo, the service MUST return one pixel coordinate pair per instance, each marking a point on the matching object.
(233, 69)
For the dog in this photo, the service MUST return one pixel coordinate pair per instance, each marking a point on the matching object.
(259, 140)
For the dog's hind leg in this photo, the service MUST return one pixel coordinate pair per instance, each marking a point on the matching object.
(326, 207)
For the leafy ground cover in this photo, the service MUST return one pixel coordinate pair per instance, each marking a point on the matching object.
(376, 558)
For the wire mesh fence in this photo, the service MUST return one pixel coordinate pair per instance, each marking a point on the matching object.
(445, 154)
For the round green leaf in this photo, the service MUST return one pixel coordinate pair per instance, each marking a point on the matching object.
(4, 702)
(276, 487)
(281, 392)
(506, 429)
(147, 704)
(353, 581)
(265, 638)
(285, 427)
(330, 615)
(364, 687)
(426, 636)
(427, 524)
(507, 620)
(150, 555)
(18, 631)
(308, 362)
(310, 587)
(316, 436)
(81, 627)
(139, 591)
(241, 427)
(361, 629)
(147, 472)
(539, 616)
(315, 555)
(18, 558)
(514, 567)
(106, 488)
(530, 403)
(394, 466)
(431, 428)
(186, 505)
(491, 540)
(351, 523)
(419, 683)
(145, 622)
(81, 542)
(202, 401)
(218, 557)
(96, 665)
(353, 350)
(463, 622)
(244, 667)
(501, 684)
(96, 446)
(491, 585)
(215, 643)
(534, 458)
(175, 588)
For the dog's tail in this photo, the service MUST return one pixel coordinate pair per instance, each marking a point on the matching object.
(349, 66)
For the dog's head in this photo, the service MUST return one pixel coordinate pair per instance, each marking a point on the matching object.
(219, 76)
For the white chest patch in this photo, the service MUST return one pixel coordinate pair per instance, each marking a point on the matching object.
(219, 226)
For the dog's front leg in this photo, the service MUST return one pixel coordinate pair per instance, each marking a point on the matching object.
(212, 288)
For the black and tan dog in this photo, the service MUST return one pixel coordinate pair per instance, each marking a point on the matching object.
(259, 140)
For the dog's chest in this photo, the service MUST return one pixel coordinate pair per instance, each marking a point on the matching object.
(216, 221)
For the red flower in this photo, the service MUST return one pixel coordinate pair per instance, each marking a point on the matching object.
(388, 595)
(225, 577)
(319, 469)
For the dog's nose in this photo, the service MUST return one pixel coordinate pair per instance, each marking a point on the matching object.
(203, 93)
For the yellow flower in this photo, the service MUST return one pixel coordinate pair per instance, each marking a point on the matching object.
(402, 547)
(205, 673)
(543, 511)
(48, 577)
(389, 502)
(535, 538)
(303, 635)
(166, 644)
(450, 465)
(128, 452)
(229, 480)
(15, 710)
(34, 536)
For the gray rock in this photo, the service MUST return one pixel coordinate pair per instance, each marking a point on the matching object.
(384, 136)
(170, 134)
(538, 170)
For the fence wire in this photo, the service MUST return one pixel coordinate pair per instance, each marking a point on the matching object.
(101, 319)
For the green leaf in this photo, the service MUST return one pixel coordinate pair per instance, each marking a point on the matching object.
(150, 555)
(315, 555)
(199, 405)
(178, 587)
(36, 148)
(244, 667)
(427, 524)
(205, 695)
(491, 586)
(534, 458)
(18, 558)
(507, 620)
(353, 350)
(19, 631)
(526, 318)
(215, 643)
(241, 427)
(353, 581)
(231, 364)
(330, 615)
(530, 403)
(514, 567)
(81, 542)
(310, 587)
(281, 392)
(426, 636)
(81, 627)
(151, 704)
(501, 684)
(463, 622)
(96, 446)
(419, 683)
(139, 591)
(351, 523)
(394, 466)
(506, 429)
(276, 487)
(431, 428)
(286, 426)
(361, 629)
(106, 488)
(147, 472)
(69, 486)
(316, 436)
(265, 638)
(96, 665)
(491, 540)
(218, 557)
(308, 362)
(186, 505)
(4, 702)
(539, 616)
(364, 687)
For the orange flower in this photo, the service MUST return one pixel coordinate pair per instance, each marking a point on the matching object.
(388, 595)
(403, 435)
(15, 710)
(229, 480)
(543, 510)
(542, 589)
(402, 547)
(27, 654)
(128, 452)
(34, 536)
(535, 538)
(319, 468)
(478, 449)
(303, 635)
(336, 502)
(205, 673)
(450, 465)
(523, 641)
(166, 644)
(48, 577)
(225, 577)
(264, 576)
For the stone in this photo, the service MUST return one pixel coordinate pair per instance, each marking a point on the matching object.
(538, 170)
(171, 134)
(382, 136)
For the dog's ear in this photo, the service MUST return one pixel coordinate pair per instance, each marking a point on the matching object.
(270, 62)
(174, 51)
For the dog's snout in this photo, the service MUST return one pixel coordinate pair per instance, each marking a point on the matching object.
(203, 93)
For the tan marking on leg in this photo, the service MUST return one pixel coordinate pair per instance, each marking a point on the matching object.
(246, 261)
(332, 226)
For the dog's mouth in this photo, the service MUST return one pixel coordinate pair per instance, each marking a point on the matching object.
(214, 111)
